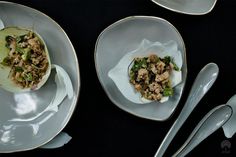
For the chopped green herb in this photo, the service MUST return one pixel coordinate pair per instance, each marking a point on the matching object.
(176, 68)
(168, 92)
(26, 54)
(6, 61)
(132, 75)
(167, 60)
(20, 38)
(139, 63)
(19, 50)
(28, 77)
(19, 69)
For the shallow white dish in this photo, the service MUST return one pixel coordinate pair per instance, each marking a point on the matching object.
(124, 36)
(19, 130)
(192, 7)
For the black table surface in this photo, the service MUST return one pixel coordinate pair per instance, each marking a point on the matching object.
(98, 127)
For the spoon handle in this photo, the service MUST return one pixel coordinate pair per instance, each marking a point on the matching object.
(209, 124)
(205, 79)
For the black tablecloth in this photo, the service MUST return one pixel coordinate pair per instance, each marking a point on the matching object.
(98, 127)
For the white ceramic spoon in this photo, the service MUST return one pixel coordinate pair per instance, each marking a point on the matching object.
(202, 84)
(209, 124)
(230, 127)
(61, 79)
(222, 119)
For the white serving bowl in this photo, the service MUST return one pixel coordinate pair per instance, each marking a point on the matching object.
(124, 36)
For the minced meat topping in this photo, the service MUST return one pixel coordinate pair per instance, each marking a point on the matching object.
(151, 76)
(27, 59)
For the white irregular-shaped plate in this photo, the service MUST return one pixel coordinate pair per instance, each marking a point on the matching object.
(125, 36)
(30, 119)
(191, 7)
(120, 73)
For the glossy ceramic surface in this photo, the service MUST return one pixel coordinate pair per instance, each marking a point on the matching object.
(192, 7)
(23, 123)
(230, 127)
(201, 85)
(124, 36)
(208, 125)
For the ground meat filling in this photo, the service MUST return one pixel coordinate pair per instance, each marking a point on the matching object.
(151, 76)
(27, 59)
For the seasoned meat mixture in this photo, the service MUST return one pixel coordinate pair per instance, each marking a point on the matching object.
(27, 59)
(151, 76)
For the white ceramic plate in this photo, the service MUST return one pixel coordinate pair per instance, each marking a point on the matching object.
(125, 36)
(18, 129)
(191, 7)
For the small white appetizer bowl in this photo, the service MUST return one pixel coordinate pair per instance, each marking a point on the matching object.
(125, 36)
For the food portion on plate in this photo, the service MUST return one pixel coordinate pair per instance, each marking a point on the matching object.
(149, 73)
(151, 76)
(24, 60)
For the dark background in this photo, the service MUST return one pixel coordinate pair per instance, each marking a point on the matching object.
(99, 128)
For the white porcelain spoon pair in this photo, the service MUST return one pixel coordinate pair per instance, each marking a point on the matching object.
(211, 122)
(220, 116)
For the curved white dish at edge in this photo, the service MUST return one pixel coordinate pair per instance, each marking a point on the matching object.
(124, 36)
(25, 134)
(191, 7)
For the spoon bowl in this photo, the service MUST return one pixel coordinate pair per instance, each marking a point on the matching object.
(230, 127)
(209, 124)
